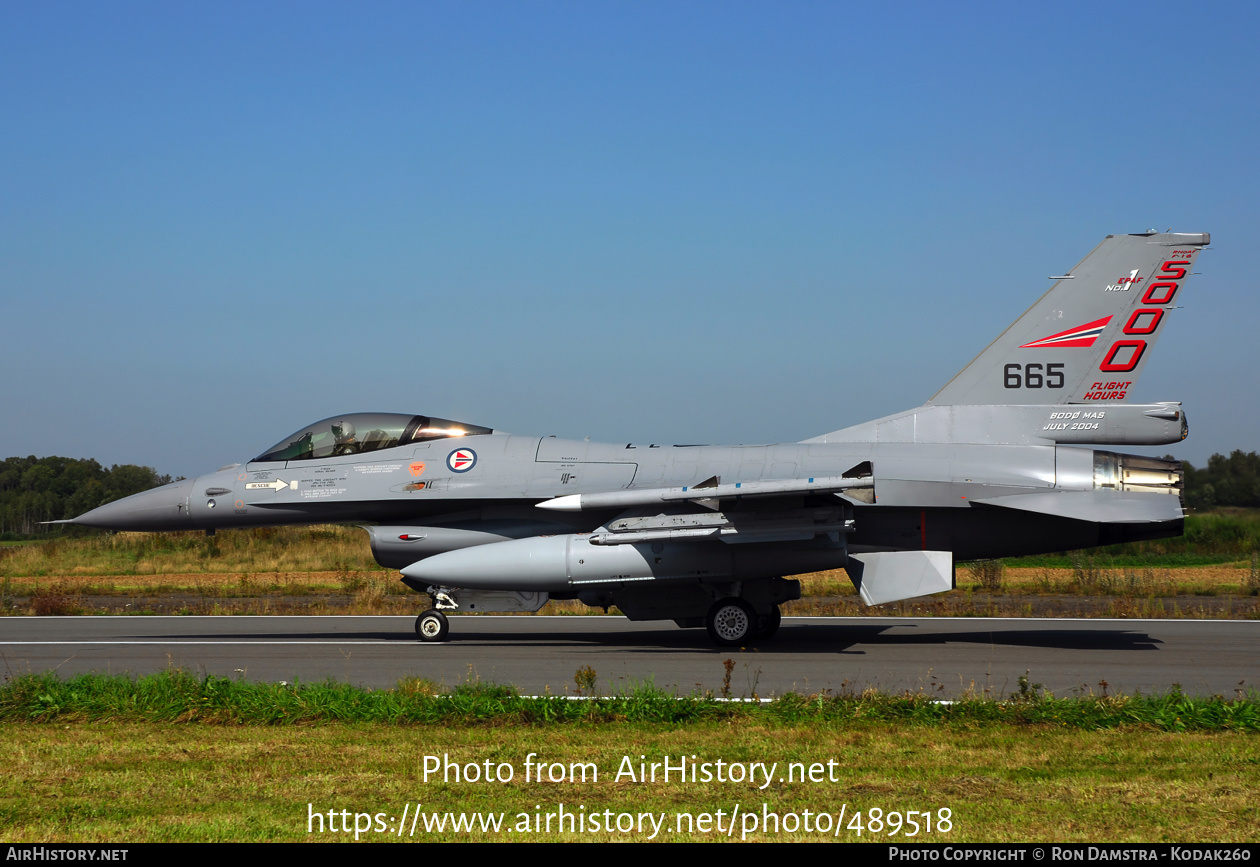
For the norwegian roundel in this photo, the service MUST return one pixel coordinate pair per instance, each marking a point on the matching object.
(461, 460)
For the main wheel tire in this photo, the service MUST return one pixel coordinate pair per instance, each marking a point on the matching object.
(731, 622)
(432, 625)
(770, 624)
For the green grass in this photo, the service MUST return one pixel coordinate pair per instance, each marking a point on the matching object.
(178, 758)
(178, 697)
(1226, 535)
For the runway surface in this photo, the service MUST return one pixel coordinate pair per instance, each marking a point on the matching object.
(538, 654)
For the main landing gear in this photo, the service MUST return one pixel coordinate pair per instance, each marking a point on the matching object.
(732, 622)
(770, 623)
(432, 625)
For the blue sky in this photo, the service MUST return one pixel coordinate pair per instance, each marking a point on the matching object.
(700, 222)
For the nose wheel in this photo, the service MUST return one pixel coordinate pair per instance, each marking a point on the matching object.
(432, 625)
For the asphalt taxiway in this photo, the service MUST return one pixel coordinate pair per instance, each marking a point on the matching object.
(541, 654)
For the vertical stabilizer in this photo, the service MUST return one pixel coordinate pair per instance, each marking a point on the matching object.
(1087, 339)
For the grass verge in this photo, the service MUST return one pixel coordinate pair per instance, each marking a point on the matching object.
(173, 757)
(179, 697)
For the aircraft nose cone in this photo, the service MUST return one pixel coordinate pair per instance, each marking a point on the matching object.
(164, 508)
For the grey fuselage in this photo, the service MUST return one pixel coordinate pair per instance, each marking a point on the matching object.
(928, 496)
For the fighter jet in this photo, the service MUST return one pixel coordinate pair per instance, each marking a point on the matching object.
(999, 462)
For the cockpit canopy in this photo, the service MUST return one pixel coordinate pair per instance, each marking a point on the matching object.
(365, 432)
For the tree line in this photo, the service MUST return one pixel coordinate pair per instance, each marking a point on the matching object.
(50, 489)
(1225, 481)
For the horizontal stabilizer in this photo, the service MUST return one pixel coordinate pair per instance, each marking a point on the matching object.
(1101, 506)
(890, 576)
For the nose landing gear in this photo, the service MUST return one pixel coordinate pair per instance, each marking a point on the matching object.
(432, 625)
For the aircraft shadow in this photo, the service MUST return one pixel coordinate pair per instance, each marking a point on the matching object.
(830, 639)
(1103, 638)
(798, 638)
